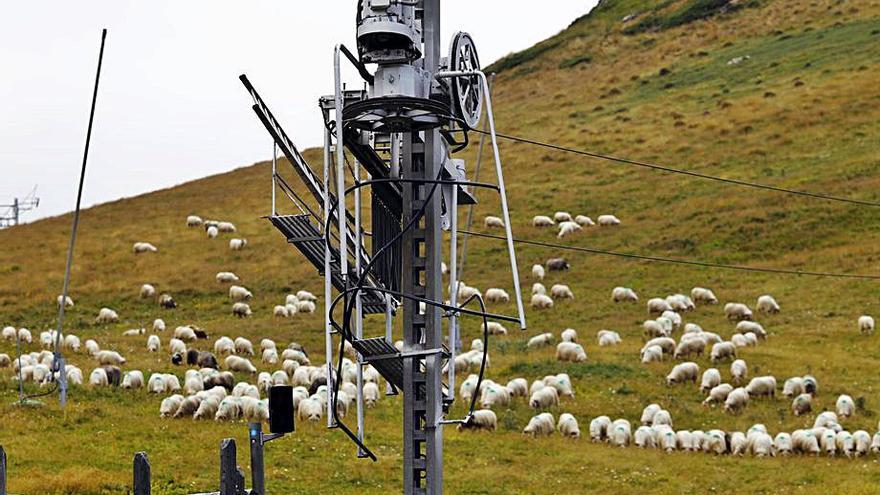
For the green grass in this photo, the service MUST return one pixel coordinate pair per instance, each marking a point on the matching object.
(703, 114)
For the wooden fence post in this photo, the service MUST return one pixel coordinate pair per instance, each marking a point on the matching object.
(231, 478)
(141, 474)
(2, 471)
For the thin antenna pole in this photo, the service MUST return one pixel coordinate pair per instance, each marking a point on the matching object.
(58, 363)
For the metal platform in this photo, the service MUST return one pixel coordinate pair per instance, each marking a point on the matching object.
(305, 235)
(388, 361)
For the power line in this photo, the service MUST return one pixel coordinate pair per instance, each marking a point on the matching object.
(705, 264)
(654, 166)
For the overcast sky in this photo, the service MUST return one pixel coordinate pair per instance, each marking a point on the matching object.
(171, 108)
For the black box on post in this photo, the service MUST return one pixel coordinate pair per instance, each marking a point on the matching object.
(281, 409)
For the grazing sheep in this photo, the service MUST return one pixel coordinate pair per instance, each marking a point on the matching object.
(558, 265)
(846, 443)
(568, 228)
(647, 418)
(239, 364)
(542, 424)
(783, 444)
(652, 354)
(494, 328)
(167, 302)
(304, 295)
(497, 296)
(238, 293)
(761, 445)
(68, 302)
(212, 232)
(609, 338)
(5, 361)
(736, 401)
(762, 386)
(620, 433)
(673, 317)
(811, 385)
(540, 340)
(176, 346)
(147, 291)
(244, 347)
(875, 443)
(538, 288)
(494, 395)
(92, 347)
(98, 378)
(665, 343)
(153, 343)
(569, 335)
(134, 332)
(538, 272)
(193, 221)
(144, 247)
(543, 221)
(226, 227)
(227, 277)
(562, 384)
(185, 333)
(828, 442)
(739, 371)
(687, 347)
(270, 356)
(608, 221)
(493, 222)
(703, 295)
(624, 294)
(9, 334)
(224, 345)
(793, 387)
(241, 310)
(201, 359)
(680, 303)
(722, 351)
(109, 358)
(738, 443)
(711, 379)
(683, 372)
(584, 221)
(569, 351)
(737, 312)
(562, 216)
(237, 244)
(866, 325)
(468, 387)
(133, 379)
(715, 442)
(170, 405)
(544, 398)
(107, 315)
(71, 342)
(739, 340)
(766, 304)
(862, 443)
(658, 306)
(158, 325)
(643, 438)
(24, 335)
(746, 327)
(518, 387)
(560, 291)
(845, 406)
(599, 427)
(541, 301)
(310, 409)
(718, 394)
(371, 394)
(483, 419)
(281, 311)
(207, 408)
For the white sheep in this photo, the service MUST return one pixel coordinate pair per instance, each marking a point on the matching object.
(543, 221)
(562, 216)
(493, 222)
(643, 437)
(762, 386)
(680, 303)
(92, 347)
(620, 433)
(224, 345)
(739, 371)
(5, 361)
(239, 364)
(133, 379)
(647, 418)
(652, 354)
(68, 301)
(176, 346)
(542, 424)
(147, 291)
(665, 343)
(568, 228)
(212, 232)
(518, 387)
(304, 295)
(560, 291)
(711, 379)
(538, 272)
(608, 221)
(845, 406)
(683, 372)
(624, 294)
(766, 304)
(9, 334)
(270, 356)
(703, 296)
(311, 409)
(690, 346)
(569, 351)
(811, 385)
(494, 395)
(109, 358)
(846, 443)
(158, 325)
(237, 244)
(718, 394)
(107, 315)
(544, 398)
(226, 227)
(540, 340)
(153, 343)
(599, 427)
(761, 445)
(569, 335)
(483, 419)
(658, 306)
(737, 312)
(793, 387)
(144, 247)
(98, 378)
(538, 288)
(875, 443)
(193, 221)
(238, 293)
(227, 277)
(306, 307)
(541, 301)
(866, 325)
(562, 384)
(722, 351)
(495, 295)
(584, 221)
(24, 335)
(494, 328)
(71, 342)
(608, 338)
(862, 442)
(468, 387)
(241, 310)
(244, 347)
(736, 401)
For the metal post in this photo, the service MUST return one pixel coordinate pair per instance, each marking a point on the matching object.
(231, 481)
(359, 310)
(328, 329)
(2, 471)
(394, 173)
(258, 474)
(454, 340)
(274, 174)
(141, 483)
(15, 212)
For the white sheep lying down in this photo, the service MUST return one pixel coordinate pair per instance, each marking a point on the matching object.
(144, 247)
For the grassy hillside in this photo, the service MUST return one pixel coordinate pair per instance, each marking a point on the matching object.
(801, 110)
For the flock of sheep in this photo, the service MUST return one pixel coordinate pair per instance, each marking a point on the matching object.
(210, 389)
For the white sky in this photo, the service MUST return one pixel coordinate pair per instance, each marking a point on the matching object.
(170, 107)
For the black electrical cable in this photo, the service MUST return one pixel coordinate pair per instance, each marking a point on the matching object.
(663, 168)
(778, 271)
